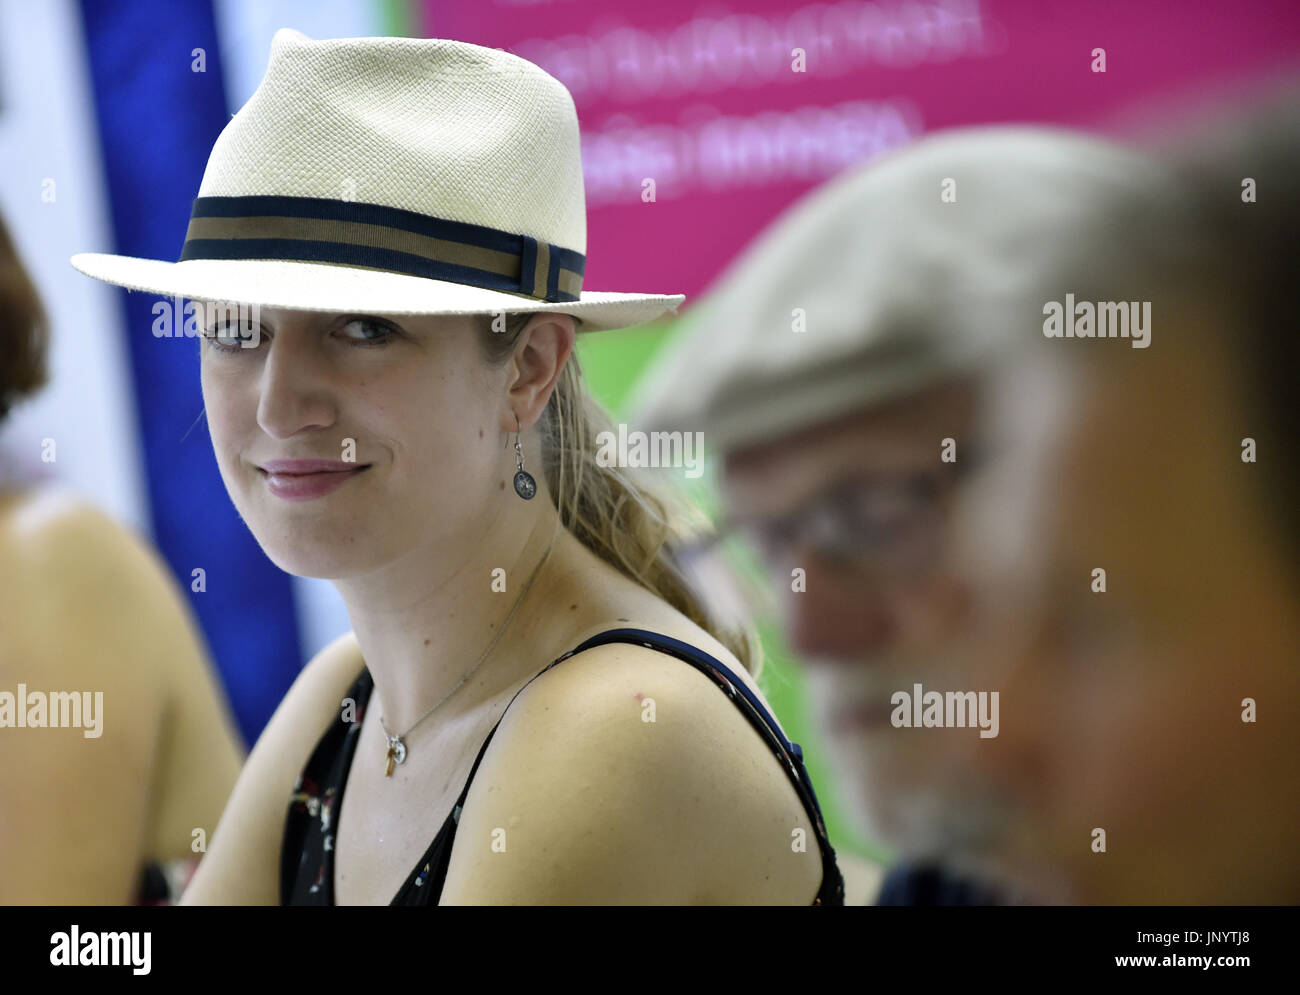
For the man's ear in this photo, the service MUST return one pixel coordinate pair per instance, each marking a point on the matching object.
(535, 366)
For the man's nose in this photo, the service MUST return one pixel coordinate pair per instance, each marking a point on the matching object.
(832, 613)
(295, 392)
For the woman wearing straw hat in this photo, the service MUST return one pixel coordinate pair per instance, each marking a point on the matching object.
(530, 683)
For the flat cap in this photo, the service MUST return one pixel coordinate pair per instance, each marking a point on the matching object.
(889, 278)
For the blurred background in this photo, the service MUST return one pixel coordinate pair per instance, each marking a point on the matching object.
(108, 109)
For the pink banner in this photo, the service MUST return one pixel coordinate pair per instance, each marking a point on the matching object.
(729, 113)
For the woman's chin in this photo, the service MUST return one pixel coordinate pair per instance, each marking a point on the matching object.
(316, 559)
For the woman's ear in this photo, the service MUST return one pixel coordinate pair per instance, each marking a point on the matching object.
(535, 366)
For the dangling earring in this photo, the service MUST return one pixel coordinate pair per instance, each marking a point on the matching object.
(525, 485)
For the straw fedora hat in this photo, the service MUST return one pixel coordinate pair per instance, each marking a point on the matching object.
(393, 176)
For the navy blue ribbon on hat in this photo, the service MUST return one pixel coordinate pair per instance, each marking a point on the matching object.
(372, 236)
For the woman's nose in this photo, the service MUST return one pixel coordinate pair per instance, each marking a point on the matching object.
(295, 391)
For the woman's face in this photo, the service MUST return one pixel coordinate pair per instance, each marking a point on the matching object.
(402, 414)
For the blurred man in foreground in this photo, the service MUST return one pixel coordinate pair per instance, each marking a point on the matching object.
(1139, 551)
(839, 372)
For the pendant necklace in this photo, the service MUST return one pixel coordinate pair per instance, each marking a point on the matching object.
(397, 744)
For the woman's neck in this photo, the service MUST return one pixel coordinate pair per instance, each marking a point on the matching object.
(423, 626)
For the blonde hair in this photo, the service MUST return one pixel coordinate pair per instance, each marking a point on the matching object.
(627, 522)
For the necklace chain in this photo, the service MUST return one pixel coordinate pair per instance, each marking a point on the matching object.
(396, 744)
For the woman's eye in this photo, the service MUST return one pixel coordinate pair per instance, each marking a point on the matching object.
(233, 336)
(367, 332)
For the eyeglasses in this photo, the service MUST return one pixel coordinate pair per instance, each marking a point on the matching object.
(895, 522)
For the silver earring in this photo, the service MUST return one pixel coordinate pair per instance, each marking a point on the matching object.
(525, 485)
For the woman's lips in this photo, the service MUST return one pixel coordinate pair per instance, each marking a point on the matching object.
(306, 480)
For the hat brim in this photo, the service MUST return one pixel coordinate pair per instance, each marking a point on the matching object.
(326, 287)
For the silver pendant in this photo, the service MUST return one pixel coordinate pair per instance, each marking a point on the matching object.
(525, 485)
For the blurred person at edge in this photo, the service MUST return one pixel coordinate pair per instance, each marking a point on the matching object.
(1151, 757)
(86, 606)
(838, 375)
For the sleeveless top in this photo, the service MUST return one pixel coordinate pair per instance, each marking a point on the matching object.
(307, 856)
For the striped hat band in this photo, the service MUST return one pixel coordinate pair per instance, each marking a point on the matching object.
(373, 236)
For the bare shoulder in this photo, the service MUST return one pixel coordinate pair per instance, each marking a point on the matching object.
(93, 588)
(47, 511)
(55, 536)
(49, 527)
(242, 864)
(624, 775)
(99, 574)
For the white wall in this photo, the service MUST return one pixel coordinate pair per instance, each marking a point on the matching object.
(47, 133)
